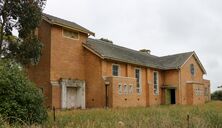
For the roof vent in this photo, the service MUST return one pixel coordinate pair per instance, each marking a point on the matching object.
(147, 51)
(106, 40)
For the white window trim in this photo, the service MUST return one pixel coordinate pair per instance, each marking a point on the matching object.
(157, 83)
(119, 70)
(67, 36)
(120, 91)
(140, 83)
(125, 90)
(130, 89)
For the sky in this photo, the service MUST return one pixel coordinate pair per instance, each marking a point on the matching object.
(163, 26)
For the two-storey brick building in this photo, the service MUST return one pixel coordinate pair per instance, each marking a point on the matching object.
(78, 72)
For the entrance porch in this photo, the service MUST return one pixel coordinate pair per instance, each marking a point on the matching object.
(169, 94)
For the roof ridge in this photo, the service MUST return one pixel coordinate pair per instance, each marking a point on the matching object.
(177, 54)
(120, 53)
(48, 16)
(118, 46)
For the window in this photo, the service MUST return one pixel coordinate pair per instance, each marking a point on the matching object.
(130, 89)
(115, 70)
(125, 89)
(138, 80)
(198, 92)
(120, 88)
(192, 70)
(70, 34)
(155, 83)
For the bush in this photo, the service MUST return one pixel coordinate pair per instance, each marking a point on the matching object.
(21, 101)
(217, 95)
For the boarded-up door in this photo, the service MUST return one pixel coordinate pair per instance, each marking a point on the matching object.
(168, 96)
(71, 97)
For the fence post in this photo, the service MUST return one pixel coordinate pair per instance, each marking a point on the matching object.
(188, 121)
(54, 118)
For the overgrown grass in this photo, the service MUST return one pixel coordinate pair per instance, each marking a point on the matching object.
(202, 116)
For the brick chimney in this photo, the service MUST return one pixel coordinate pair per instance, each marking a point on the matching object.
(147, 51)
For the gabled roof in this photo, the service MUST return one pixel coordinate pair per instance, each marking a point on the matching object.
(174, 61)
(64, 23)
(108, 50)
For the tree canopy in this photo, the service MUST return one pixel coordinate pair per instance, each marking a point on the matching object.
(217, 95)
(20, 98)
(23, 16)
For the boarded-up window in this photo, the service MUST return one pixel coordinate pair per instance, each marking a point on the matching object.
(70, 34)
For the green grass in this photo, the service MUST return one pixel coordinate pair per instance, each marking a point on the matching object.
(203, 116)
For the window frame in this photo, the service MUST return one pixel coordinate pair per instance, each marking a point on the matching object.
(63, 30)
(156, 86)
(130, 89)
(120, 89)
(138, 89)
(125, 89)
(118, 71)
(192, 69)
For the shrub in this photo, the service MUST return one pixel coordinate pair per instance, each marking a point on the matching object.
(21, 101)
(217, 95)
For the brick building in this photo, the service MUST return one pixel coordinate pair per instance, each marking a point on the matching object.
(76, 71)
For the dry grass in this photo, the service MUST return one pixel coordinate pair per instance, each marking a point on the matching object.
(203, 116)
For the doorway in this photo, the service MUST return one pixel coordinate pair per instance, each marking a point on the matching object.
(71, 97)
(172, 96)
(72, 94)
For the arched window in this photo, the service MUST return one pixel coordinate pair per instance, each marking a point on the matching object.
(125, 89)
(192, 70)
(120, 88)
(130, 89)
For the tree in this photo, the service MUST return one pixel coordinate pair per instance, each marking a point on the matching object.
(217, 95)
(21, 101)
(23, 16)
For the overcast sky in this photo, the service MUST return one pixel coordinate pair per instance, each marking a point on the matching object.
(163, 26)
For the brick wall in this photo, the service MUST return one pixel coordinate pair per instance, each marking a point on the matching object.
(67, 56)
(125, 98)
(40, 73)
(95, 87)
(196, 81)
